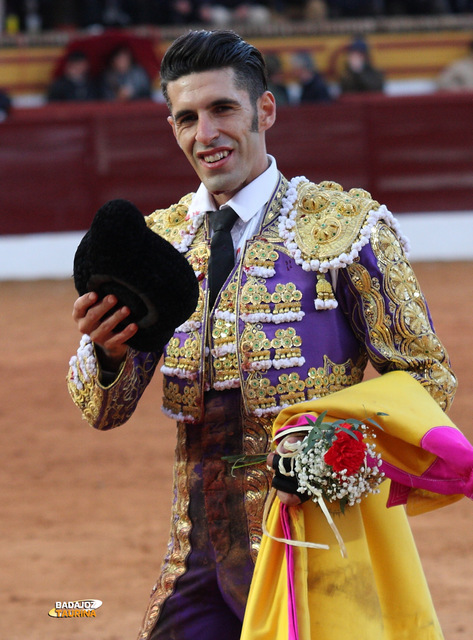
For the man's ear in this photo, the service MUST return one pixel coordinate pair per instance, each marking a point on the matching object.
(266, 111)
(170, 119)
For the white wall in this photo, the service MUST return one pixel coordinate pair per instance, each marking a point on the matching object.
(433, 237)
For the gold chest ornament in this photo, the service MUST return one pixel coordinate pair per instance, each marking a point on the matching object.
(324, 228)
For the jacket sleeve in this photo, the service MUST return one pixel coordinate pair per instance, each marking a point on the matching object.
(380, 294)
(108, 406)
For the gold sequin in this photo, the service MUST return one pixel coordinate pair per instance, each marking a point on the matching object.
(179, 546)
(286, 298)
(260, 254)
(255, 297)
(398, 320)
(286, 344)
(328, 220)
(171, 223)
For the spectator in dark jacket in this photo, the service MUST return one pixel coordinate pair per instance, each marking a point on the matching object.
(5, 105)
(124, 79)
(75, 83)
(312, 84)
(359, 74)
(276, 80)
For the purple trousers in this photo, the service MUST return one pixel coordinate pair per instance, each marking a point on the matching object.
(209, 599)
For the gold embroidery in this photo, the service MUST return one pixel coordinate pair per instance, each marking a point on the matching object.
(254, 346)
(89, 399)
(324, 288)
(260, 393)
(185, 357)
(287, 344)
(223, 332)
(412, 318)
(172, 397)
(255, 297)
(273, 211)
(401, 283)
(427, 347)
(224, 359)
(328, 220)
(333, 377)
(110, 407)
(198, 257)
(398, 319)
(227, 301)
(191, 400)
(286, 298)
(179, 547)
(198, 314)
(257, 480)
(187, 401)
(290, 388)
(386, 250)
(226, 367)
(171, 223)
(260, 254)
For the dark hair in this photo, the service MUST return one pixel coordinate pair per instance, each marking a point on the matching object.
(117, 51)
(202, 50)
(76, 55)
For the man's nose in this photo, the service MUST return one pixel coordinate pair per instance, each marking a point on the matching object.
(206, 130)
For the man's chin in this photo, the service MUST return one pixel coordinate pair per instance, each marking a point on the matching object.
(220, 188)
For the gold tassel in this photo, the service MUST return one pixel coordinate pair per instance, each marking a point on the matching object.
(325, 296)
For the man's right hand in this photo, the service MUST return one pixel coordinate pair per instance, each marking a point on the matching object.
(88, 313)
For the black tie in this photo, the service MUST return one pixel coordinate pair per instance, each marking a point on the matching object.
(222, 253)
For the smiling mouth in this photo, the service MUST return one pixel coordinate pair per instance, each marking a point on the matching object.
(215, 157)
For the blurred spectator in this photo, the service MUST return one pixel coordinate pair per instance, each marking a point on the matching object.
(276, 82)
(123, 78)
(417, 7)
(109, 13)
(223, 13)
(5, 105)
(124, 12)
(75, 82)
(459, 75)
(359, 74)
(355, 8)
(30, 14)
(358, 8)
(178, 12)
(461, 6)
(316, 10)
(298, 10)
(313, 87)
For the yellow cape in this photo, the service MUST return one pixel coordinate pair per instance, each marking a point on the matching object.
(379, 592)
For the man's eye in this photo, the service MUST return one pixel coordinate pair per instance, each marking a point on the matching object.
(185, 119)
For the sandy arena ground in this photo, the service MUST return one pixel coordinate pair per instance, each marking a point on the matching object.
(85, 514)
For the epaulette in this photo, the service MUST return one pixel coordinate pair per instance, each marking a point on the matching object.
(324, 227)
(173, 223)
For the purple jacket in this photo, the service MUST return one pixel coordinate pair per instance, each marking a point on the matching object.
(322, 288)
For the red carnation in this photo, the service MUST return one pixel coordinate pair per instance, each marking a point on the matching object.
(346, 451)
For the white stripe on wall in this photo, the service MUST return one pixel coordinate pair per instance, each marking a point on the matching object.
(433, 237)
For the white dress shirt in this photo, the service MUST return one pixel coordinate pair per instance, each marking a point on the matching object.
(249, 204)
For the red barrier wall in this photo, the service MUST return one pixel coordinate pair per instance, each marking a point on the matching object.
(59, 163)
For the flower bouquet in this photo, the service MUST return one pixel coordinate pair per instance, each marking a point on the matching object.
(334, 460)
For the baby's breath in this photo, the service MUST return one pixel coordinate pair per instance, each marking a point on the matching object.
(318, 479)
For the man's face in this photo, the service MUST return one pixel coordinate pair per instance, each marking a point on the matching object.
(219, 131)
(356, 61)
(77, 69)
